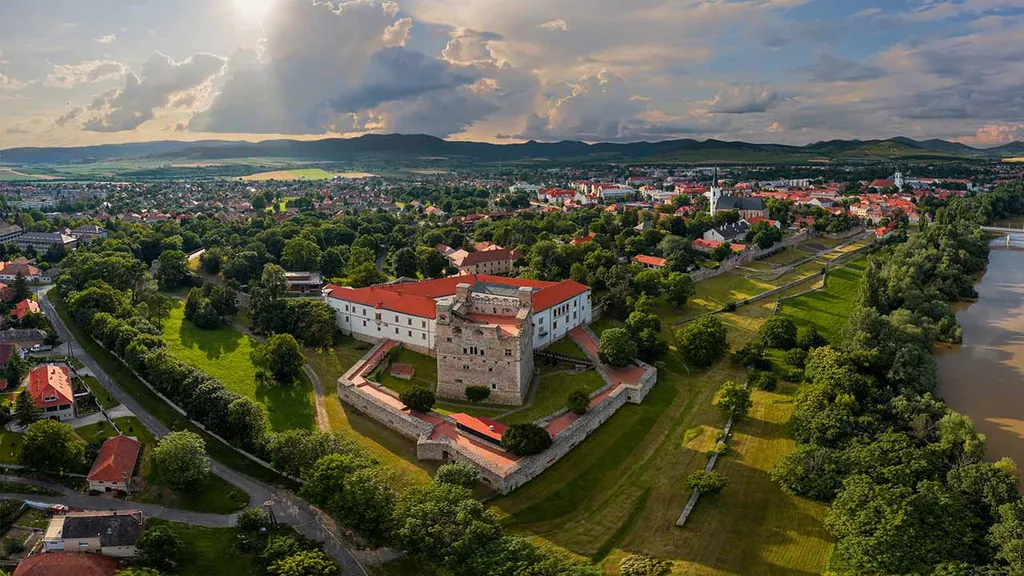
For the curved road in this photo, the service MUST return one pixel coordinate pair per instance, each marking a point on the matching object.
(288, 508)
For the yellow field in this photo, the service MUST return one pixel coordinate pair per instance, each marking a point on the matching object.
(1017, 159)
(303, 174)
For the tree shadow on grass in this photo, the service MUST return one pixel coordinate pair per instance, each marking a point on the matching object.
(287, 406)
(215, 344)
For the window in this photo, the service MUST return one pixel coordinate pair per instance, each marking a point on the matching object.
(346, 307)
(364, 323)
(396, 330)
(410, 333)
(508, 352)
(348, 318)
(494, 386)
(458, 380)
(378, 317)
(490, 369)
(449, 340)
(573, 315)
(423, 336)
(554, 326)
(410, 321)
(465, 366)
(424, 323)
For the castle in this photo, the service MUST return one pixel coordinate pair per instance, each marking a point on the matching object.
(481, 329)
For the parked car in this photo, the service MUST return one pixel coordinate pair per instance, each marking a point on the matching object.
(40, 348)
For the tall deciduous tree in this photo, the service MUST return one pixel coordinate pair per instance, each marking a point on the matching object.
(703, 341)
(280, 358)
(180, 459)
(172, 269)
(53, 447)
(617, 347)
(734, 400)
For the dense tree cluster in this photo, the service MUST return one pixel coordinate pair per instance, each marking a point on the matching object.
(909, 488)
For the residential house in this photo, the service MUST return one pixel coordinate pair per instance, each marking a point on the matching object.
(26, 306)
(728, 232)
(66, 564)
(25, 338)
(115, 465)
(495, 261)
(753, 221)
(43, 241)
(50, 388)
(652, 262)
(9, 232)
(20, 265)
(304, 282)
(110, 533)
(708, 246)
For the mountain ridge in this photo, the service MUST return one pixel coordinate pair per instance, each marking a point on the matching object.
(421, 147)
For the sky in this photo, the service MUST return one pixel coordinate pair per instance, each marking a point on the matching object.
(83, 72)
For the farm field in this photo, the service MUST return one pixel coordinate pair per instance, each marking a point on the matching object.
(224, 353)
(828, 309)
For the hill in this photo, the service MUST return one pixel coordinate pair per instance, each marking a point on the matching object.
(422, 148)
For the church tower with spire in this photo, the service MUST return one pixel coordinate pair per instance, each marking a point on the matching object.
(714, 194)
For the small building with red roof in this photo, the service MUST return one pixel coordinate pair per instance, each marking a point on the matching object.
(480, 428)
(652, 262)
(49, 385)
(66, 564)
(24, 307)
(115, 465)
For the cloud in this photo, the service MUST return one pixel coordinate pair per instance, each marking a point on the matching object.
(70, 116)
(107, 39)
(599, 107)
(829, 68)
(160, 81)
(745, 99)
(71, 75)
(556, 24)
(324, 68)
(17, 130)
(8, 83)
(996, 134)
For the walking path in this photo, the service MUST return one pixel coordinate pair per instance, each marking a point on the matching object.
(288, 508)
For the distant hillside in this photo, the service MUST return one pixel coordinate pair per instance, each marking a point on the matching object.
(421, 148)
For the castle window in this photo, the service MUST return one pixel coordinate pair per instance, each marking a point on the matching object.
(396, 330)
(490, 369)
(554, 326)
(364, 323)
(448, 339)
(410, 333)
(424, 323)
(409, 320)
(573, 315)
(458, 380)
(465, 366)
(494, 386)
(396, 317)
(508, 352)
(423, 336)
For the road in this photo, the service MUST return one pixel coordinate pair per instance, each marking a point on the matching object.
(288, 508)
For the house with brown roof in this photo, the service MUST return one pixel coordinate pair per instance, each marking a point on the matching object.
(66, 563)
(115, 465)
(494, 261)
(49, 385)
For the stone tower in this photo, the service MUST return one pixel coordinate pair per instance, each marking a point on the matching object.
(485, 340)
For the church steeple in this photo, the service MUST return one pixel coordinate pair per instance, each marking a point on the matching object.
(714, 194)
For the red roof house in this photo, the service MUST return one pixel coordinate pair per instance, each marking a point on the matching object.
(50, 388)
(26, 306)
(480, 427)
(65, 564)
(649, 261)
(114, 465)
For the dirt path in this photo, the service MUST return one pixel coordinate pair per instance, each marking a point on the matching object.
(323, 421)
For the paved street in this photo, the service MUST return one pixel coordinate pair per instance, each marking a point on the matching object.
(288, 508)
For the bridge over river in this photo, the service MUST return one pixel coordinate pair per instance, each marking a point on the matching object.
(1000, 230)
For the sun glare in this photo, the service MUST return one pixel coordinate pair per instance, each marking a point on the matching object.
(254, 9)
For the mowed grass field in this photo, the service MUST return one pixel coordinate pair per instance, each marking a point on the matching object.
(553, 392)
(622, 489)
(299, 174)
(828, 309)
(224, 353)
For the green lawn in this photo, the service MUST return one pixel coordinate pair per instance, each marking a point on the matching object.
(566, 347)
(10, 446)
(224, 353)
(621, 490)
(157, 407)
(553, 394)
(424, 376)
(33, 518)
(210, 550)
(102, 396)
(384, 444)
(828, 309)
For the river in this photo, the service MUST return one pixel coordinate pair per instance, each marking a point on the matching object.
(984, 377)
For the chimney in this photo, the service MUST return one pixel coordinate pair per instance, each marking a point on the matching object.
(525, 297)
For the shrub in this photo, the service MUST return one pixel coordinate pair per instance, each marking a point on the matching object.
(810, 338)
(419, 399)
(643, 565)
(763, 380)
(478, 393)
(456, 473)
(525, 439)
(750, 355)
(730, 307)
(253, 520)
(707, 482)
(579, 401)
(792, 374)
(796, 357)
(778, 332)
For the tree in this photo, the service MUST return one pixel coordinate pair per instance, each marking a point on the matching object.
(703, 341)
(52, 447)
(457, 474)
(1007, 536)
(172, 269)
(640, 564)
(579, 402)
(762, 379)
(617, 347)
(16, 369)
(253, 520)
(280, 359)
(325, 480)
(305, 563)
(212, 261)
(20, 288)
(525, 439)
(259, 203)
(418, 398)
(301, 254)
(274, 281)
(365, 275)
(678, 288)
(811, 472)
(734, 400)
(247, 424)
(778, 332)
(442, 524)
(368, 505)
(706, 482)
(180, 459)
(5, 416)
(404, 263)
(159, 548)
(25, 410)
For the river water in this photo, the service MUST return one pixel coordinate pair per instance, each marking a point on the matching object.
(984, 377)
